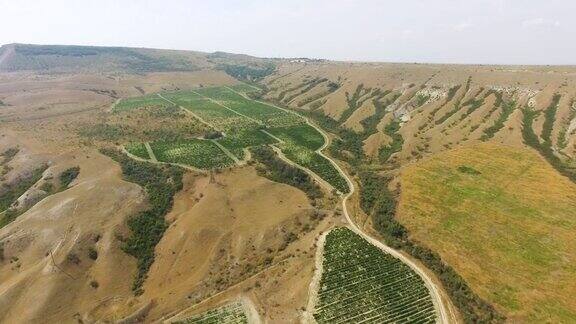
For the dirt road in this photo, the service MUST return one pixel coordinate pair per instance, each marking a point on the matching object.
(434, 290)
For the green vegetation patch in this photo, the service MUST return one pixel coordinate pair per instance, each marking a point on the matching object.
(468, 170)
(315, 163)
(202, 154)
(392, 130)
(507, 109)
(237, 141)
(264, 113)
(138, 149)
(228, 314)
(68, 175)
(275, 169)
(103, 132)
(10, 193)
(148, 101)
(362, 283)
(303, 135)
(545, 148)
(147, 227)
(248, 72)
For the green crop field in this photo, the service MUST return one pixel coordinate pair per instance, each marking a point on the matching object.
(201, 154)
(269, 116)
(245, 123)
(138, 149)
(237, 141)
(151, 100)
(245, 88)
(361, 283)
(316, 163)
(303, 135)
(213, 113)
(229, 314)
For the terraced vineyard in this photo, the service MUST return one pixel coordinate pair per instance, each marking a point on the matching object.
(360, 283)
(229, 314)
(245, 123)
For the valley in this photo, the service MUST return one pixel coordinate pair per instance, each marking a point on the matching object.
(249, 190)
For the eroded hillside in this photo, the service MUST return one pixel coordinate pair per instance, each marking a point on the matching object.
(432, 108)
(149, 185)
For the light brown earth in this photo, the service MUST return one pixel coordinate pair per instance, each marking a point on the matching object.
(222, 227)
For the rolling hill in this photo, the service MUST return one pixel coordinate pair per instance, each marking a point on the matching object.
(227, 173)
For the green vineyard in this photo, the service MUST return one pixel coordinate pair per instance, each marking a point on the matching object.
(138, 149)
(229, 314)
(148, 101)
(244, 123)
(362, 284)
(201, 154)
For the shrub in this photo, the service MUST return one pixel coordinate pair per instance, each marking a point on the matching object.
(468, 170)
(68, 175)
(92, 253)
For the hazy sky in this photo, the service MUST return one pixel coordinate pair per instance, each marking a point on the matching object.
(457, 31)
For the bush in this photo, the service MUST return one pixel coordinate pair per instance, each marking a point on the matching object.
(468, 170)
(92, 253)
(68, 175)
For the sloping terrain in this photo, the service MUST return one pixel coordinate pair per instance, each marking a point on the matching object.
(422, 111)
(438, 106)
(98, 59)
(64, 250)
(505, 220)
(100, 249)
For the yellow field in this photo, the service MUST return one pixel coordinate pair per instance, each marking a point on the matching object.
(509, 230)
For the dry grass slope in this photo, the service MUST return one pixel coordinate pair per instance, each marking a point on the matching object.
(521, 214)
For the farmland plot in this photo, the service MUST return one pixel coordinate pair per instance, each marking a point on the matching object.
(361, 283)
(138, 149)
(245, 88)
(302, 135)
(229, 314)
(246, 123)
(213, 113)
(140, 102)
(237, 141)
(316, 163)
(269, 116)
(202, 154)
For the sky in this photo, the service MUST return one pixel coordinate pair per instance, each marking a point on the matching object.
(425, 31)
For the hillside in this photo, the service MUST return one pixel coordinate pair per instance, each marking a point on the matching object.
(218, 185)
(99, 59)
(521, 214)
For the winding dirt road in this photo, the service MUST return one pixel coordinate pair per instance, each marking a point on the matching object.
(441, 308)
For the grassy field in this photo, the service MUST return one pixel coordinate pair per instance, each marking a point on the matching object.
(505, 220)
(360, 283)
